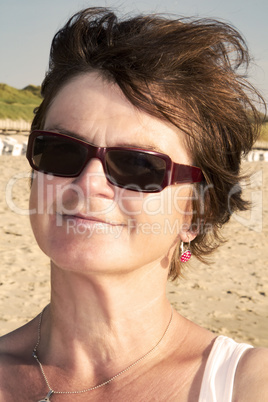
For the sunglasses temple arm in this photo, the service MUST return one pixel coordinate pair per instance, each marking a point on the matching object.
(186, 174)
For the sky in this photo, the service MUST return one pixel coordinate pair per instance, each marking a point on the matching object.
(28, 26)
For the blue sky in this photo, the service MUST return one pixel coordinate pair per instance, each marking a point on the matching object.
(27, 27)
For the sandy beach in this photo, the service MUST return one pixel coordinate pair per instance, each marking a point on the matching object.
(229, 297)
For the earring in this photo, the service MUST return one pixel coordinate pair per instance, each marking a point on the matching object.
(185, 255)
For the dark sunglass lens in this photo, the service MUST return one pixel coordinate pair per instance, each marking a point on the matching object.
(58, 155)
(135, 170)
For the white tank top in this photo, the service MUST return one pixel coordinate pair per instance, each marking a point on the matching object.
(218, 380)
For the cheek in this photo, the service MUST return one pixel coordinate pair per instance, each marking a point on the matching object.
(36, 202)
(173, 203)
(170, 208)
(182, 202)
(46, 191)
(39, 192)
(42, 202)
(135, 204)
(38, 205)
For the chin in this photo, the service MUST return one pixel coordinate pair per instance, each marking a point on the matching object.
(90, 258)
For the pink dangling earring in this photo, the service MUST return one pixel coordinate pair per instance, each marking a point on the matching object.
(185, 255)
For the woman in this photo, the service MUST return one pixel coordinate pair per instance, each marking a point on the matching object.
(136, 151)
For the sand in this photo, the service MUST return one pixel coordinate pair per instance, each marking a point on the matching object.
(229, 297)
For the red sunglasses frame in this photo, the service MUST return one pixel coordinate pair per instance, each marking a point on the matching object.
(175, 172)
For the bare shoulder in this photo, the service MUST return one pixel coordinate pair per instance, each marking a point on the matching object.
(16, 341)
(251, 381)
(15, 353)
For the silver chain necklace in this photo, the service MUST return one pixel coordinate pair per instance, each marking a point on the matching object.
(52, 391)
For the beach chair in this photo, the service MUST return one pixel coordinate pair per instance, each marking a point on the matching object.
(9, 143)
(17, 150)
(249, 156)
(256, 156)
(24, 147)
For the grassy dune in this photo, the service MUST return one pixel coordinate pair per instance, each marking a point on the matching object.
(16, 104)
(264, 132)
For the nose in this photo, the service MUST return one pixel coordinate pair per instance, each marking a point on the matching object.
(92, 180)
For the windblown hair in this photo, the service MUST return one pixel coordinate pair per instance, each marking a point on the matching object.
(186, 72)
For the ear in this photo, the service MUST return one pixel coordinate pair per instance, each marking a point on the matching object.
(187, 234)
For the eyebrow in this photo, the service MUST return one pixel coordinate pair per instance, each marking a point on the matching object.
(61, 130)
(148, 147)
(143, 146)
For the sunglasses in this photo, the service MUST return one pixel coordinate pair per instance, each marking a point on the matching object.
(132, 168)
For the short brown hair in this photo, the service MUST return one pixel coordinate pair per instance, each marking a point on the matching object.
(185, 71)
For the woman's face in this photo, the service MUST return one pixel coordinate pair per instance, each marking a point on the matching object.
(87, 224)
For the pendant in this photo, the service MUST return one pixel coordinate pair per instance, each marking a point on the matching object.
(46, 399)
(186, 256)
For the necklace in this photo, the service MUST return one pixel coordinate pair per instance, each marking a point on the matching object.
(52, 391)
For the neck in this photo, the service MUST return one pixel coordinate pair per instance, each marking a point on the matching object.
(108, 320)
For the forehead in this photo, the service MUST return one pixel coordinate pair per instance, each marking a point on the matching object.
(97, 110)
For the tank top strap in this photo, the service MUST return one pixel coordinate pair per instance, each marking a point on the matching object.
(218, 380)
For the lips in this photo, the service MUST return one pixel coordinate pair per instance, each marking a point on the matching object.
(90, 219)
